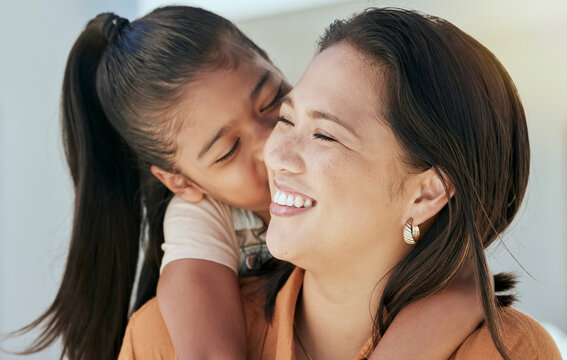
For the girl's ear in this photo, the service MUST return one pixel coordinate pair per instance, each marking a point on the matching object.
(429, 196)
(179, 185)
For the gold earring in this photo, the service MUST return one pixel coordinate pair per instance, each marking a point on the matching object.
(411, 232)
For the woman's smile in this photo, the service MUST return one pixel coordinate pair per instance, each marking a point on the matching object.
(289, 202)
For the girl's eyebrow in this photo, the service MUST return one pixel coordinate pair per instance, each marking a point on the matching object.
(210, 144)
(253, 95)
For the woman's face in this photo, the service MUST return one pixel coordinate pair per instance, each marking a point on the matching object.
(230, 113)
(331, 145)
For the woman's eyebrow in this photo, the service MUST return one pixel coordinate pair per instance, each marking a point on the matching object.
(318, 114)
(287, 100)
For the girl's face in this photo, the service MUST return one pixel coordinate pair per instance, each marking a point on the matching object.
(230, 114)
(331, 145)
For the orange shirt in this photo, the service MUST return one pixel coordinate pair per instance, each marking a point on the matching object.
(147, 337)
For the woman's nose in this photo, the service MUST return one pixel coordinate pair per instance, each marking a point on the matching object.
(282, 152)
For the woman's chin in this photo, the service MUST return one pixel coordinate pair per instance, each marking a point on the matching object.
(281, 245)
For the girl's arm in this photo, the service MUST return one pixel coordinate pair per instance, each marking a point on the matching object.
(198, 292)
(200, 303)
(434, 327)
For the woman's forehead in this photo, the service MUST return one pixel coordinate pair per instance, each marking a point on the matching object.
(341, 81)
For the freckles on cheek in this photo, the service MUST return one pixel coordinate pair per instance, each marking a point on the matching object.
(335, 172)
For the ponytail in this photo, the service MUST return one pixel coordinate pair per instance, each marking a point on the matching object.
(121, 82)
(90, 310)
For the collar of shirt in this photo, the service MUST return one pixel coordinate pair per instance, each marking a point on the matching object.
(279, 336)
(245, 219)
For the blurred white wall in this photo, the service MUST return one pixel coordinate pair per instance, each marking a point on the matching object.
(35, 192)
(243, 9)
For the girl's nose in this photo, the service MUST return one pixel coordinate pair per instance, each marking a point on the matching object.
(259, 137)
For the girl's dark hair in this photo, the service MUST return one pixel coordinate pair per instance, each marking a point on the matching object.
(453, 108)
(122, 82)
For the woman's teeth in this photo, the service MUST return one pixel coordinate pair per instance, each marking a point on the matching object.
(298, 201)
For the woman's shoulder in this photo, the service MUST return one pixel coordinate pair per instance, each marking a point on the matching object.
(146, 335)
(523, 337)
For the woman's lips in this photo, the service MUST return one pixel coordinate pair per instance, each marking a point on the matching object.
(285, 203)
(284, 210)
(291, 199)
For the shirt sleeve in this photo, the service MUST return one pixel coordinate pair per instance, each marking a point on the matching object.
(523, 337)
(204, 230)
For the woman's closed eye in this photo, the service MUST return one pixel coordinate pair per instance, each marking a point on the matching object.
(284, 121)
(230, 153)
(317, 135)
(323, 137)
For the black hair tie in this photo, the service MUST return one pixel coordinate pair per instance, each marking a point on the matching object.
(112, 26)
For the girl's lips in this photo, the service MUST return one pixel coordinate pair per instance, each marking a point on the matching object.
(284, 210)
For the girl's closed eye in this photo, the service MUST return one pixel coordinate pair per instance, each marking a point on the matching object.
(282, 89)
(230, 153)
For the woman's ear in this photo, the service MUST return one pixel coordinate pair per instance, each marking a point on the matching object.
(179, 185)
(429, 196)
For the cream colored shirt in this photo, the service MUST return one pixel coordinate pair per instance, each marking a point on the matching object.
(210, 230)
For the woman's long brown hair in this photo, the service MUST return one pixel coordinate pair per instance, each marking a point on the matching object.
(453, 108)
